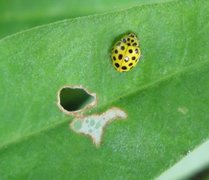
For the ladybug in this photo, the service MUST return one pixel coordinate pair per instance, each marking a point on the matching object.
(126, 53)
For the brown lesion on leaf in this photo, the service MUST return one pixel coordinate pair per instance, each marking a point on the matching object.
(93, 125)
(73, 100)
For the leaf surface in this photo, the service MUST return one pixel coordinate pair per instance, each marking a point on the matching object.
(19, 15)
(166, 96)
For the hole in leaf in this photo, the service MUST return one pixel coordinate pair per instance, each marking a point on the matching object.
(73, 99)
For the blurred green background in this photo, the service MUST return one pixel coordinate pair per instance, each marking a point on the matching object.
(18, 15)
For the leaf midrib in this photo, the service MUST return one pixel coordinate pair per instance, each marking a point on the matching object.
(194, 67)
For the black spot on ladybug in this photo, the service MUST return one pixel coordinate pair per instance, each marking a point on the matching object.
(122, 47)
(124, 67)
(133, 58)
(120, 56)
(114, 57)
(131, 35)
(124, 40)
(130, 64)
(135, 44)
(116, 51)
(130, 50)
(117, 65)
(128, 39)
(132, 40)
(128, 44)
(118, 44)
(136, 51)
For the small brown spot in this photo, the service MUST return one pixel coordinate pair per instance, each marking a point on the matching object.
(124, 40)
(118, 44)
(133, 58)
(117, 65)
(122, 47)
(124, 67)
(120, 56)
(130, 50)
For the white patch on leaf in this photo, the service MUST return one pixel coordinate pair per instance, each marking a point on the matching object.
(93, 125)
(183, 110)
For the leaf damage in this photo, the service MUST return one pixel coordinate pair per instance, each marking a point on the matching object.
(93, 125)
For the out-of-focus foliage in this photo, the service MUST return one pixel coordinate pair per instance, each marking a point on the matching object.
(17, 15)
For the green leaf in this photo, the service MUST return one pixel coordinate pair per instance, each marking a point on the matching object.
(166, 96)
(23, 14)
(192, 164)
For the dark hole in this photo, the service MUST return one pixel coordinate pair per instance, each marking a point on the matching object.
(74, 99)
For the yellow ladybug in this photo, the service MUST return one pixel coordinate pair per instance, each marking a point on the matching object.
(126, 53)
